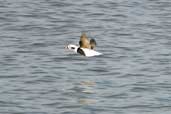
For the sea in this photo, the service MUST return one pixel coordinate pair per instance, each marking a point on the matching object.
(38, 75)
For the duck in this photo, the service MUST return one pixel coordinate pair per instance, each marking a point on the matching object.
(86, 47)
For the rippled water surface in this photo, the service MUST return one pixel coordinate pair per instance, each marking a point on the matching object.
(39, 76)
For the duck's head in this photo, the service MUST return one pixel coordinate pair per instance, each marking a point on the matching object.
(72, 47)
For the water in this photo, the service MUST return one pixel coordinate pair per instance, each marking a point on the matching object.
(38, 76)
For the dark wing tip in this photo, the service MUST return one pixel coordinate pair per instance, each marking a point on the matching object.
(93, 41)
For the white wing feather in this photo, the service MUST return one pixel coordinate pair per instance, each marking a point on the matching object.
(90, 52)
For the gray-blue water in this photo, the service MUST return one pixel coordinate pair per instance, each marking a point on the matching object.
(39, 76)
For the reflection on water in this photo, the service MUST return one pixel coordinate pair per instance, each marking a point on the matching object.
(87, 101)
(87, 83)
(87, 88)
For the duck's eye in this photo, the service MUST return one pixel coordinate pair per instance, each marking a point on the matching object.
(72, 47)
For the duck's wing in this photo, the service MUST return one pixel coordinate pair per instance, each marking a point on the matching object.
(93, 43)
(84, 41)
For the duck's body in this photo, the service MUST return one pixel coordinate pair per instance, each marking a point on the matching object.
(83, 51)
